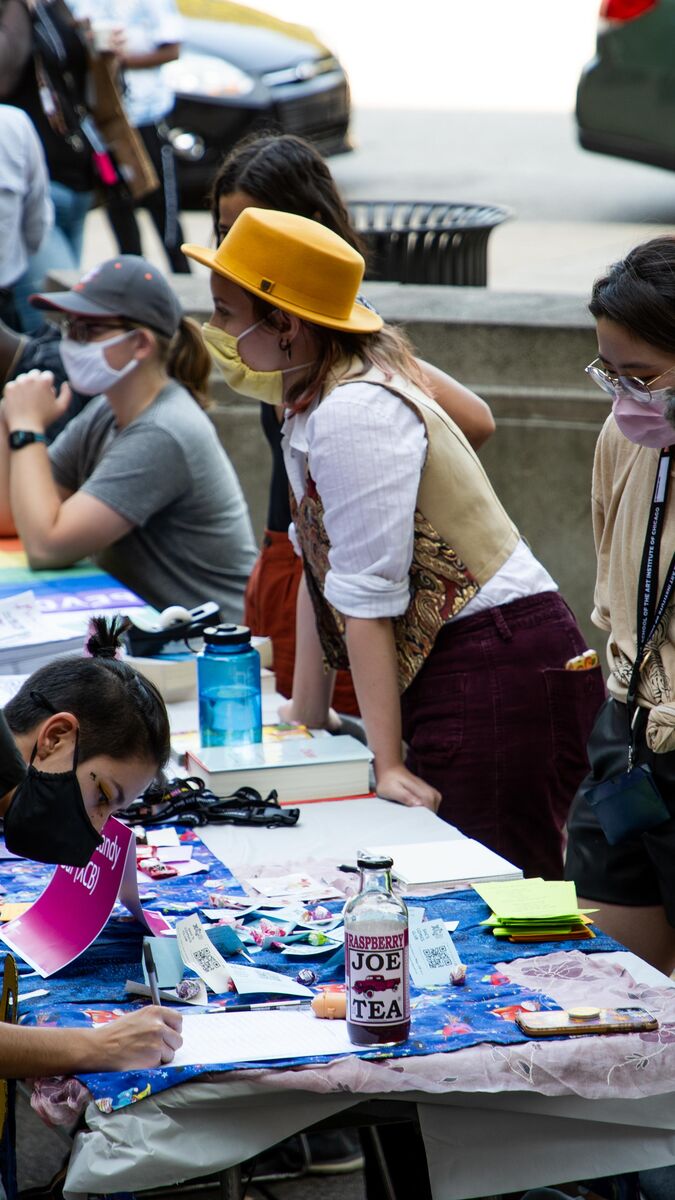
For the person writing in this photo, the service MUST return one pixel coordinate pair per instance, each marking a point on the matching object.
(138, 480)
(628, 876)
(413, 573)
(281, 171)
(81, 738)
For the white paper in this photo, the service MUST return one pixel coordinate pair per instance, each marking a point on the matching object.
(163, 837)
(174, 854)
(432, 954)
(257, 1037)
(302, 950)
(293, 887)
(200, 955)
(250, 980)
(189, 868)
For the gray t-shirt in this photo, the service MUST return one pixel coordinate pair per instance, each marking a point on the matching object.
(167, 473)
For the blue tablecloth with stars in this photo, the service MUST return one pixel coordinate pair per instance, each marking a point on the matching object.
(92, 989)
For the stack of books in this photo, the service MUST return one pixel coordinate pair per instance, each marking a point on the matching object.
(298, 768)
(535, 910)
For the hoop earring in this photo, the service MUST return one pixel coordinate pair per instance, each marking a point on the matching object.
(285, 346)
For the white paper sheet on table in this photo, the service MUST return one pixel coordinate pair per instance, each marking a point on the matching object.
(258, 1037)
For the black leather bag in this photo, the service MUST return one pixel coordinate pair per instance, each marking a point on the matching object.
(625, 799)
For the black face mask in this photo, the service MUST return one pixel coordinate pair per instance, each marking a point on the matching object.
(47, 820)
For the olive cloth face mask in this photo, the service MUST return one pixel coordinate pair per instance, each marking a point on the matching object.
(47, 819)
(265, 386)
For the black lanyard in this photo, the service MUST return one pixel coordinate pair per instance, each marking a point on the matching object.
(650, 611)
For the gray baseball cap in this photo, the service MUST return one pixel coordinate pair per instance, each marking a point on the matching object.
(127, 286)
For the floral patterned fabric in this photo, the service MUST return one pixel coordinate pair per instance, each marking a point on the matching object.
(91, 989)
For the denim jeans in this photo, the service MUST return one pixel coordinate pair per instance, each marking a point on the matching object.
(61, 250)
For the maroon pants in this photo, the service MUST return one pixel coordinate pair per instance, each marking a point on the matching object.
(499, 727)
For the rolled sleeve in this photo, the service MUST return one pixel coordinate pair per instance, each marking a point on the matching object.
(366, 452)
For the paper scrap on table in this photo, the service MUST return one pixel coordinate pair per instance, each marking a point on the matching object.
(258, 1036)
(252, 980)
(416, 914)
(168, 962)
(189, 868)
(302, 950)
(197, 953)
(294, 886)
(432, 954)
(163, 837)
(169, 994)
(174, 854)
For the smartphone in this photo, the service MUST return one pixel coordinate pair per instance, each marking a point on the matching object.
(588, 1020)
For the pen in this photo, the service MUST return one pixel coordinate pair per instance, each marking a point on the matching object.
(263, 1004)
(152, 973)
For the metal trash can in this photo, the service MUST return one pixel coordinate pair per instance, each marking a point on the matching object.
(426, 241)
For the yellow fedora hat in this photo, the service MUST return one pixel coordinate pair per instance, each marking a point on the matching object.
(296, 264)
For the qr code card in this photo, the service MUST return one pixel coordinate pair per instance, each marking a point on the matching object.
(432, 954)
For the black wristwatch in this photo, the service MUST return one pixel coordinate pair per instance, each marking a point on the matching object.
(24, 437)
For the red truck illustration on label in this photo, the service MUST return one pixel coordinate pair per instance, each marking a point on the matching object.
(377, 973)
(375, 983)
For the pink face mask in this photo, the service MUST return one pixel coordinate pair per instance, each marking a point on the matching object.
(645, 424)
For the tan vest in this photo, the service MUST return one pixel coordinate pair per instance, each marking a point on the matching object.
(462, 536)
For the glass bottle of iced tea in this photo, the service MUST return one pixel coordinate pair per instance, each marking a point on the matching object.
(376, 958)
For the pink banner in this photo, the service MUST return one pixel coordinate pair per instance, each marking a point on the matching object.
(76, 904)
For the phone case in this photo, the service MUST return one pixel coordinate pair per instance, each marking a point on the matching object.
(608, 1020)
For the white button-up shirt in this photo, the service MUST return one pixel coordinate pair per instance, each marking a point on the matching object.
(365, 450)
(26, 210)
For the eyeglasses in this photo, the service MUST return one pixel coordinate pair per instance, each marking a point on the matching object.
(88, 331)
(610, 382)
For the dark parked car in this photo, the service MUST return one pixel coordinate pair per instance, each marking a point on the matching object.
(626, 93)
(240, 70)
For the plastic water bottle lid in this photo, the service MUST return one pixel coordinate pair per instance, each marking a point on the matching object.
(226, 635)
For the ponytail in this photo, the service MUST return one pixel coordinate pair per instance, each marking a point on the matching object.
(119, 713)
(187, 360)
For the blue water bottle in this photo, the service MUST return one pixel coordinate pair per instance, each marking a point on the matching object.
(228, 673)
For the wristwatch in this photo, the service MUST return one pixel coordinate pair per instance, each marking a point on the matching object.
(24, 437)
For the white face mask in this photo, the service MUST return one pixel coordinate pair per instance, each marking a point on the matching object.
(88, 369)
(265, 386)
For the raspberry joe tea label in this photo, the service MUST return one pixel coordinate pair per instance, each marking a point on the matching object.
(376, 968)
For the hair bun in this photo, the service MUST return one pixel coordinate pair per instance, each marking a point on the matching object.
(104, 636)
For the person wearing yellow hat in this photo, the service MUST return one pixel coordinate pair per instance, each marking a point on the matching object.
(415, 576)
(282, 171)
